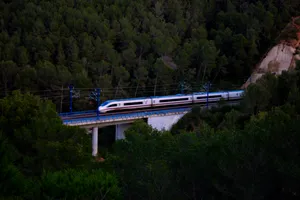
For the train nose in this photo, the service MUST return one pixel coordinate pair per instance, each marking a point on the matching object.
(101, 109)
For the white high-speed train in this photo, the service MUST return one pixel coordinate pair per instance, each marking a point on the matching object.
(171, 100)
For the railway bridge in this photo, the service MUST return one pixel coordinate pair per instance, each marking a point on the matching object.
(158, 118)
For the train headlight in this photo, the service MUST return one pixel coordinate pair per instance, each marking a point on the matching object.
(100, 108)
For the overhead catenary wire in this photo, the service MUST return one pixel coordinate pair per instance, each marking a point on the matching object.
(61, 96)
(146, 89)
(66, 88)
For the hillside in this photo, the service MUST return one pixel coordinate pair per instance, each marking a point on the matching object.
(283, 56)
(244, 152)
(133, 48)
(146, 47)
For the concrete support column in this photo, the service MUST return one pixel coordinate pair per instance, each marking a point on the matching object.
(163, 122)
(120, 129)
(95, 141)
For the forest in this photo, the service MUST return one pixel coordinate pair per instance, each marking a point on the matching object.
(249, 151)
(134, 48)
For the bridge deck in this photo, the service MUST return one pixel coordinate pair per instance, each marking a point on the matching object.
(119, 118)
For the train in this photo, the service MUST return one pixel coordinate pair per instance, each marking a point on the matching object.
(170, 100)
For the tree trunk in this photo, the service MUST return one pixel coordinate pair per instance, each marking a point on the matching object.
(204, 73)
(5, 84)
(198, 72)
(194, 191)
(140, 56)
(155, 85)
(61, 97)
(117, 88)
(216, 74)
(5, 88)
(136, 88)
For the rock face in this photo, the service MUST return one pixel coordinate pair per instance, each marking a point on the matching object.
(281, 57)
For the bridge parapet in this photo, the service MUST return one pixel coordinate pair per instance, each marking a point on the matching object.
(102, 121)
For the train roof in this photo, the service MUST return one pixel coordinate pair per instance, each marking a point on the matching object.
(176, 95)
(140, 98)
(199, 93)
(166, 96)
(128, 99)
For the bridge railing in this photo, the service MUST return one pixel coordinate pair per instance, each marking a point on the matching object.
(117, 117)
(77, 113)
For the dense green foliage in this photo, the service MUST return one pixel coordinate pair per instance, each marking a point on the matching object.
(36, 149)
(243, 152)
(224, 153)
(84, 184)
(36, 133)
(131, 48)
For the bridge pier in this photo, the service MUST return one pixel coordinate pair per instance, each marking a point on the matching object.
(95, 141)
(163, 122)
(120, 129)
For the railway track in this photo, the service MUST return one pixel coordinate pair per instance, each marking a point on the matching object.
(122, 112)
(88, 115)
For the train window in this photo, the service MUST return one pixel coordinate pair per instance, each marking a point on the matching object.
(212, 96)
(112, 105)
(168, 100)
(133, 103)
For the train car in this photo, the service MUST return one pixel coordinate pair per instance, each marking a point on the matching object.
(202, 97)
(124, 104)
(172, 100)
(235, 95)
